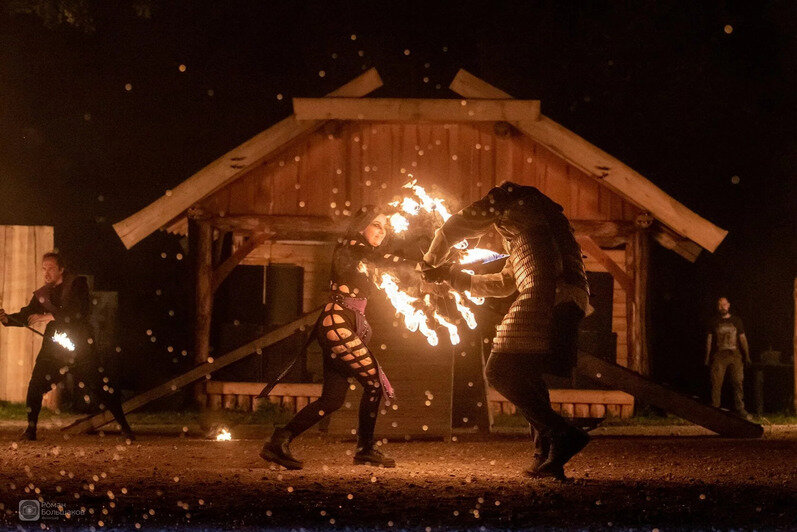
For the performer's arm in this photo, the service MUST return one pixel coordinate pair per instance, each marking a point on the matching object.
(745, 349)
(501, 284)
(20, 319)
(376, 258)
(470, 222)
(78, 305)
(709, 341)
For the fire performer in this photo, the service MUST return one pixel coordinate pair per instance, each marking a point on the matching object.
(538, 335)
(343, 333)
(63, 304)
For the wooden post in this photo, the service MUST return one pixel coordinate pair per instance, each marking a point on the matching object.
(200, 235)
(637, 256)
(794, 353)
(642, 317)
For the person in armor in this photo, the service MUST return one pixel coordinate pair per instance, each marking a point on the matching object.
(343, 333)
(63, 305)
(538, 335)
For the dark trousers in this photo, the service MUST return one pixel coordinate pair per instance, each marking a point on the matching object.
(333, 395)
(518, 376)
(49, 370)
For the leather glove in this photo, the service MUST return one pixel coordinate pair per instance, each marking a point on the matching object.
(441, 274)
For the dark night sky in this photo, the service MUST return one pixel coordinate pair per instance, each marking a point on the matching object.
(660, 85)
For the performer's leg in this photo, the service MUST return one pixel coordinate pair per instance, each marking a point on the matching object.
(353, 357)
(718, 367)
(515, 377)
(87, 371)
(46, 373)
(333, 394)
(737, 380)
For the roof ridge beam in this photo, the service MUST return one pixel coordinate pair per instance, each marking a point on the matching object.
(416, 109)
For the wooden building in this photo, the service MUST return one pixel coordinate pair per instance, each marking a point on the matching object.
(285, 194)
(21, 250)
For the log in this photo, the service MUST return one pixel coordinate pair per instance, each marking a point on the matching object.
(229, 167)
(225, 268)
(415, 109)
(595, 162)
(640, 360)
(201, 236)
(619, 275)
(644, 389)
(198, 372)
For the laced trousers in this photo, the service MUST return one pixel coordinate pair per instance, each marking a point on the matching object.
(345, 356)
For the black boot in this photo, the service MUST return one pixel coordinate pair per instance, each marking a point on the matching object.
(565, 444)
(29, 434)
(277, 450)
(542, 446)
(368, 454)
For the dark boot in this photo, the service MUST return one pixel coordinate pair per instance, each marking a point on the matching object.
(542, 446)
(29, 434)
(277, 450)
(368, 454)
(565, 444)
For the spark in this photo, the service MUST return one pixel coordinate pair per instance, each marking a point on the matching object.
(63, 340)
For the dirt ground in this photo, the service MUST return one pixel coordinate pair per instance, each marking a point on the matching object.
(471, 483)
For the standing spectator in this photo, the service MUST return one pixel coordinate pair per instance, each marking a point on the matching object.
(725, 338)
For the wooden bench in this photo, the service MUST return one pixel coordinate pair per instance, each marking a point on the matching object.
(294, 396)
(575, 403)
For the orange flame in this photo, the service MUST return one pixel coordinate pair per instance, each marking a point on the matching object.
(467, 314)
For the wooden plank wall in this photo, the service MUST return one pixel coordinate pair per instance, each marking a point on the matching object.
(21, 248)
(329, 172)
(314, 257)
(619, 307)
(332, 172)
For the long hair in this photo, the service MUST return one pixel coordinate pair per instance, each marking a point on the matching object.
(361, 219)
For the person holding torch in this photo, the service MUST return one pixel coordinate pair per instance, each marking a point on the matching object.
(538, 335)
(63, 305)
(343, 334)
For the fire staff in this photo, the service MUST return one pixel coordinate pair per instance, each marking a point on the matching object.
(343, 333)
(538, 335)
(63, 305)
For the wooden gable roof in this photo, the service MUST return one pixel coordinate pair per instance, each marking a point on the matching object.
(283, 152)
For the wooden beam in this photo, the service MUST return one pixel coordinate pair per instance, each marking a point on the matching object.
(639, 359)
(415, 109)
(201, 234)
(280, 225)
(225, 268)
(196, 373)
(229, 167)
(602, 228)
(591, 248)
(794, 353)
(644, 389)
(611, 172)
(675, 242)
